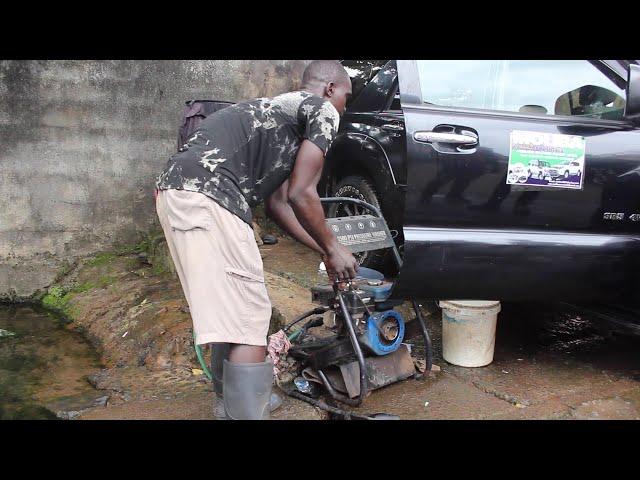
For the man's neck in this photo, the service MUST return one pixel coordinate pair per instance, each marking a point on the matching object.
(317, 90)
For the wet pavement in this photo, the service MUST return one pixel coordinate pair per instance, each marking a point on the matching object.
(548, 364)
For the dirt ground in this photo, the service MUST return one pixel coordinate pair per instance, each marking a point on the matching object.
(548, 364)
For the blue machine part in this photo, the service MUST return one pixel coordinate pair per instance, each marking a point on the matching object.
(379, 324)
(379, 293)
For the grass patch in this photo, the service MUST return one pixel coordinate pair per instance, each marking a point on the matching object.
(57, 299)
(104, 281)
(103, 258)
(159, 268)
(83, 287)
(132, 263)
(140, 247)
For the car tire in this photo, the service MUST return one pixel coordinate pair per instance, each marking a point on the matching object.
(566, 174)
(355, 186)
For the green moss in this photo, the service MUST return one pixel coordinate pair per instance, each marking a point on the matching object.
(159, 268)
(146, 245)
(132, 263)
(57, 291)
(83, 287)
(102, 258)
(132, 249)
(57, 299)
(104, 281)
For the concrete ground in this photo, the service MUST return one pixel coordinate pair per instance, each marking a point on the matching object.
(548, 364)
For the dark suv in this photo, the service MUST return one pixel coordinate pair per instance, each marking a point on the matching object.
(430, 142)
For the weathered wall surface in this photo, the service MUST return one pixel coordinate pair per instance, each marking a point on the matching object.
(82, 143)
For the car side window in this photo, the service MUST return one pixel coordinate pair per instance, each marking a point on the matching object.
(361, 73)
(533, 87)
(395, 99)
(370, 95)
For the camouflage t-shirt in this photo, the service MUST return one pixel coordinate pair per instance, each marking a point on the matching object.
(241, 154)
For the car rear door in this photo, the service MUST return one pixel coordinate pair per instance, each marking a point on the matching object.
(477, 225)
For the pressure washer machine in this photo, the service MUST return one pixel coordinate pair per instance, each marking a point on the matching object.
(367, 348)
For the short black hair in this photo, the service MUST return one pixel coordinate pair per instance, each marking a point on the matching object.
(325, 71)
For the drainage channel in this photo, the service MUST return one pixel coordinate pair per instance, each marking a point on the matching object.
(43, 366)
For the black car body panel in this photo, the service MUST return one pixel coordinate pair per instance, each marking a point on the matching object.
(371, 142)
(466, 232)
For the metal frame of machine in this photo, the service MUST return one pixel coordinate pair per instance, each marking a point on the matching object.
(344, 302)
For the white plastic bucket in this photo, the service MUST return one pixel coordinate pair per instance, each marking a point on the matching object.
(469, 331)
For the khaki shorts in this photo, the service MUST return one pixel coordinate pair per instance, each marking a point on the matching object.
(219, 266)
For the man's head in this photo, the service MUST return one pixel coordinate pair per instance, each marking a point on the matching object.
(328, 79)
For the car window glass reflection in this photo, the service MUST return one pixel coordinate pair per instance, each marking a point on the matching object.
(534, 87)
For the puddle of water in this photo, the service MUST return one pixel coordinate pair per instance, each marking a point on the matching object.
(41, 364)
(539, 330)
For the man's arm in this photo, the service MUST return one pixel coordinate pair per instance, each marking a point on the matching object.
(302, 197)
(278, 208)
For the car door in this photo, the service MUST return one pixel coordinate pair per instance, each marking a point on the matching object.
(476, 228)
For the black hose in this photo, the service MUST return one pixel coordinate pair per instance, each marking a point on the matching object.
(315, 311)
(322, 405)
(336, 395)
(428, 351)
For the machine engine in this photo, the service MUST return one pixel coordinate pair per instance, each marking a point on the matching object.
(380, 329)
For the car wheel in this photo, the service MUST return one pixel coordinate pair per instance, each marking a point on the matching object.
(355, 186)
(566, 174)
(540, 176)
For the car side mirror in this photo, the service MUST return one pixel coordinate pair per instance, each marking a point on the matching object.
(632, 107)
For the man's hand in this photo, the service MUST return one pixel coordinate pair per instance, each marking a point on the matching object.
(341, 264)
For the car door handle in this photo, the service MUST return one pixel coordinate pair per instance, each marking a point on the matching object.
(394, 127)
(442, 137)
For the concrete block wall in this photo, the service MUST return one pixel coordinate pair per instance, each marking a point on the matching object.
(82, 143)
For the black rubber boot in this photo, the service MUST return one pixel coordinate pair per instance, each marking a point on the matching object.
(219, 353)
(247, 390)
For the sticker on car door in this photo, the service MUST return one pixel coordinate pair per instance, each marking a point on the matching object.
(546, 160)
